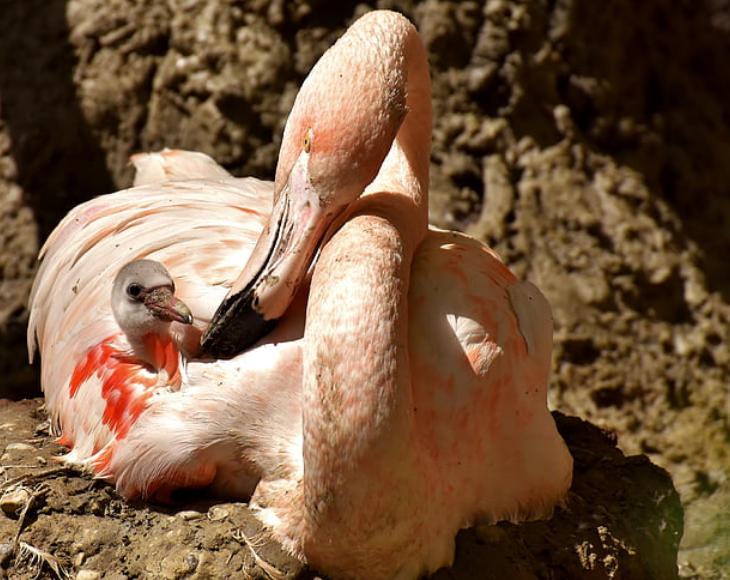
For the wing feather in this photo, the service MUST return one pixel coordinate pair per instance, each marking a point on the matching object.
(484, 339)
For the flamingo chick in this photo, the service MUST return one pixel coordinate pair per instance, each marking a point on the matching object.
(425, 362)
(144, 301)
(144, 305)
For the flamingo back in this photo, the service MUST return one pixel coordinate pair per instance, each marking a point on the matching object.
(175, 165)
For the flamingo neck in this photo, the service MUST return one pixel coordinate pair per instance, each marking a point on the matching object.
(405, 170)
(358, 404)
(358, 411)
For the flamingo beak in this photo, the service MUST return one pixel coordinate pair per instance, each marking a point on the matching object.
(276, 268)
(163, 304)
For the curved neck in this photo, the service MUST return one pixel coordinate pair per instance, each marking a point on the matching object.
(405, 171)
(358, 410)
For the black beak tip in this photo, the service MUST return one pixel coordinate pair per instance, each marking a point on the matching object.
(235, 327)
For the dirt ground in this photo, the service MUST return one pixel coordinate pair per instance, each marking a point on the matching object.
(587, 142)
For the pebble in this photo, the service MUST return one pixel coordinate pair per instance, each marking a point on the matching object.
(217, 513)
(176, 565)
(188, 515)
(14, 500)
(6, 553)
(19, 447)
(192, 561)
(17, 451)
(88, 575)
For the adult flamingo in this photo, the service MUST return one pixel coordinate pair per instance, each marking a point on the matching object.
(371, 444)
(425, 362)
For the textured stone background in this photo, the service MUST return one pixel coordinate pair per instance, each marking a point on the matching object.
(588, 142)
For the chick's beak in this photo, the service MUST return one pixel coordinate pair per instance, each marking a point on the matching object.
(163, 304)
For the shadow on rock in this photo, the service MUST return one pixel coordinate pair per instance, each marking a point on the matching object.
(59, 163)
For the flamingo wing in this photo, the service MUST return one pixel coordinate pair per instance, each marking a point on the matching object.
(198, 228)
(480, 351)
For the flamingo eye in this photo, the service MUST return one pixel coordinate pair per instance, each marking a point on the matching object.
(307, 141)
(134, 290)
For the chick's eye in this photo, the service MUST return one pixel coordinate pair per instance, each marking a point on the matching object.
(134, 290)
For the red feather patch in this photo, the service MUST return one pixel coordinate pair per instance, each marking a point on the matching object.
(128, 382)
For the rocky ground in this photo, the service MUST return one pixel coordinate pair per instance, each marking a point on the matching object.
(587, 142)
